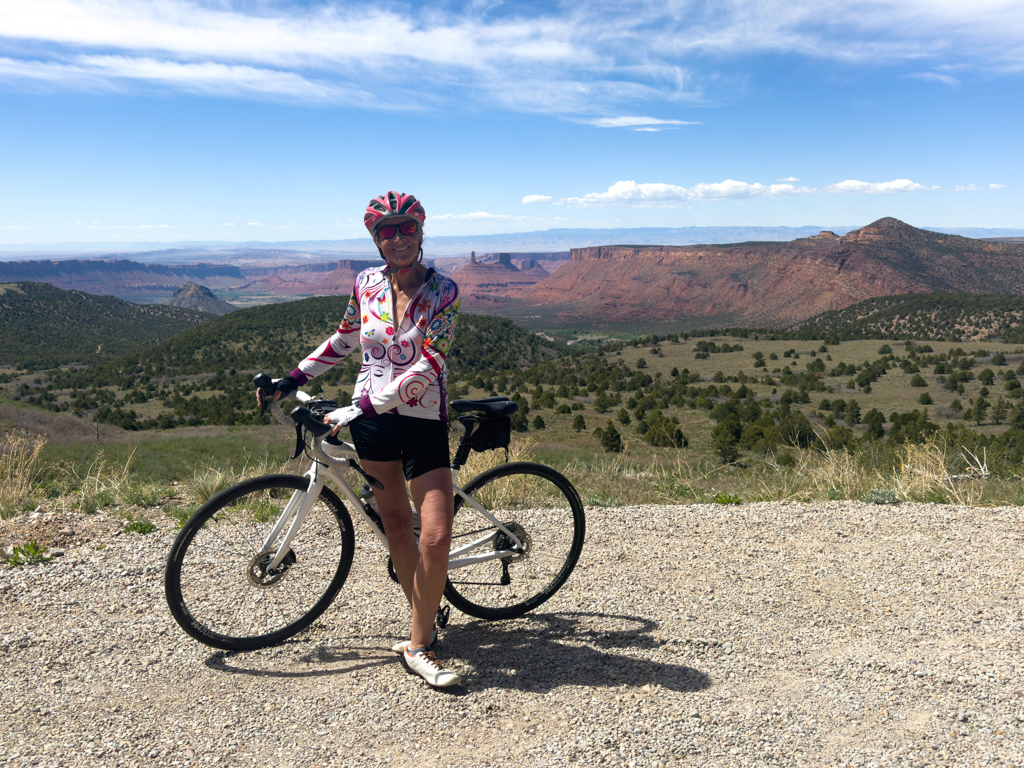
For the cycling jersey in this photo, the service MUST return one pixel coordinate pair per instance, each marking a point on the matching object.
(403, 369)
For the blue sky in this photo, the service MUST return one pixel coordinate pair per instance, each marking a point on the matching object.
(128, 120)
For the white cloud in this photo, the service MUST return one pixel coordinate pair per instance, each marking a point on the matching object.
(478, 216)
(588, 59)
(789, 178)
(229, 224)
(630, 121)
(968, 188)
(252, 223)
(537, 199)
(630, 193)
(869, 188)
(669, 195)
(997, 186)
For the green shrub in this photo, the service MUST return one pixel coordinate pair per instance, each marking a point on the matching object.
(27, 554)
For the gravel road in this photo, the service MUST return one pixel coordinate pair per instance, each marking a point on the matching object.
(823, 634)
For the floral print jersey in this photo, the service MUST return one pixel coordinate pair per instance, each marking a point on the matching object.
(403, 369)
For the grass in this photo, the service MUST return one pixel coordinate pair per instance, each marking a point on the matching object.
(20, 465)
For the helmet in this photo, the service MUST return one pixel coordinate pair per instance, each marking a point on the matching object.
(390, 205)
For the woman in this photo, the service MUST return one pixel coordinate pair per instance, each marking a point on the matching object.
(402, 316)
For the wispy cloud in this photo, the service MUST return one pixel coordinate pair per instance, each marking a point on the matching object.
(585, 62)
(789, 179)
(628, 121)
(478, 216)
(133, 226)
(630, 193)
(997, 186)
(937, 77)
(537, 199)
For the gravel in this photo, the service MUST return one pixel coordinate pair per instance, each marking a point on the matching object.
(838, 633)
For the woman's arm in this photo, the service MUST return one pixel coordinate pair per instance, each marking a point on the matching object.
(336, 348)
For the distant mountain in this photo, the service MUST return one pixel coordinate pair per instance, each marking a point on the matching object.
(200, 299)
(120, 277)
(922, 316)
(43, 327)
(538, 241)
(759, 284)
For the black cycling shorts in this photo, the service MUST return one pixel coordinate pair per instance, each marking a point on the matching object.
(420, 444)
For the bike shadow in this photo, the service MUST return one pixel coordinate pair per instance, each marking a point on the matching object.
(537, 653)
(541, 652)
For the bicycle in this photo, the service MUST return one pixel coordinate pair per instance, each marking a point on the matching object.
(261, 561)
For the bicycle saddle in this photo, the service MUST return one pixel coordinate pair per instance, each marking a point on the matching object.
(492, 406)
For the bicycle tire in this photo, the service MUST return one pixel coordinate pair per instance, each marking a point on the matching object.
(527, 498)
(213, 582)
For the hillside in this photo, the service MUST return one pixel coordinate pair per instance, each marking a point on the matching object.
(43, 327)
(766, 284)
(200, 299)
(963, 317)
(203, 376)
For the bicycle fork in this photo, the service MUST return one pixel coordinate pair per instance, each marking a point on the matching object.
(296, 509)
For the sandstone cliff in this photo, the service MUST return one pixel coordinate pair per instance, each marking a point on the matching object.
(762, 284)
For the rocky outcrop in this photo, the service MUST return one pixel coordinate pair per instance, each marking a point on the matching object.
(496, 278)
(199, 298)
(762, 284)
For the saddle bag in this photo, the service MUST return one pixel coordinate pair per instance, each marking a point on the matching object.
(491, 433)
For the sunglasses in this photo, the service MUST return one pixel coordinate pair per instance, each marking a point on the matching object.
(387, 231)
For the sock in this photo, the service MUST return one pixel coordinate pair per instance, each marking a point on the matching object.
(417, 651)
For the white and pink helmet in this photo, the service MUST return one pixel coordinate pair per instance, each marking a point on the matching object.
(391, 205)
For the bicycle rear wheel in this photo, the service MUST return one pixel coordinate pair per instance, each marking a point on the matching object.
(543, 510)
(216, 581)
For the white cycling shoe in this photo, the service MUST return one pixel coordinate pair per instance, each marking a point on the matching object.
(400, 647)
(429, 668)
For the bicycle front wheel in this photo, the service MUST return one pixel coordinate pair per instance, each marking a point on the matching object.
(218, 585)
(543, 510)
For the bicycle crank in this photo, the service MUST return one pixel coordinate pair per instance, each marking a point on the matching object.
(259, 574)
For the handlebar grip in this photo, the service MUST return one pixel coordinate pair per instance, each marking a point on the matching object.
(265, 385)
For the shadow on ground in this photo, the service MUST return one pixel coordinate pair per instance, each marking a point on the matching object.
(537, 653)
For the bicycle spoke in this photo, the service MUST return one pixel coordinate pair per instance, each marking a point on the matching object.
(221, 577)
(541, 509)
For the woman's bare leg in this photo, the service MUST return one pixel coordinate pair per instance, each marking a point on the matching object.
(421, 571)
(432, 494)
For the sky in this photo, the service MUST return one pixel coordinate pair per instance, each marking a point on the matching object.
(140, 121)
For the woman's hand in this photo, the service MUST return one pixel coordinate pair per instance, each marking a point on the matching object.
(259, 396)
(342, 417)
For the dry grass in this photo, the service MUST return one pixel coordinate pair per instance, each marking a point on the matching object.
(208, 481)
(19, 468)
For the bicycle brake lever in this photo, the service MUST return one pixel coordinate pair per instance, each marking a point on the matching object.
(300, 444)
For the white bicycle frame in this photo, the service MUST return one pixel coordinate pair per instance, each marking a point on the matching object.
(327, 465)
